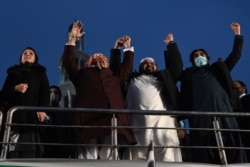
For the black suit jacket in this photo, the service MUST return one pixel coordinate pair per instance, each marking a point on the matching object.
(245, 107)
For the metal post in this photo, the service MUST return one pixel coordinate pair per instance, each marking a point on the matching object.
(114, 138)
(219, 141)
(6, 134)
(1, 119)
(69, 98)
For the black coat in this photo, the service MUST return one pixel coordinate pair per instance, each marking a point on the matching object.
(221, 71)
(244, 122)
(37, 93)
(245, 103)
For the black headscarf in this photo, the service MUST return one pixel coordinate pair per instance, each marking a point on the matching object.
(36, 56)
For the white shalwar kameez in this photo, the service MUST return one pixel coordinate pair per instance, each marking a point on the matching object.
(144, 94)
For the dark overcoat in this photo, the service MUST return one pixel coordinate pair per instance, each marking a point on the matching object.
(99, 88)
(221, 71)
(37, 94)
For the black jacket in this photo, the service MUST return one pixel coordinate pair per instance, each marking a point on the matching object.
(37, 93)
(221, 70)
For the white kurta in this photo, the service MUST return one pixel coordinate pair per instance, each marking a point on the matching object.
(144, 94)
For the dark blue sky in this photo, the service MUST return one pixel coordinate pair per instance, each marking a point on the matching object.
(43, 24)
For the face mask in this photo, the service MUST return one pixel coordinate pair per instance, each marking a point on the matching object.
(54, 98)
(200, 61)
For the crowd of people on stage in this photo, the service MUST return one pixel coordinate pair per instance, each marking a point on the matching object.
(114, 84)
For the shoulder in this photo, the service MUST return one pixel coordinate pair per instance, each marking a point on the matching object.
(187, 74)
(189, 70)
(39, 68)
(17, 68)
(246, 98)
(219, 65)
(162, 72)
(13, 68)
(133, 75)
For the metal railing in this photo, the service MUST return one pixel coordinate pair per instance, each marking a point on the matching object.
(221, 148)
(1, 120)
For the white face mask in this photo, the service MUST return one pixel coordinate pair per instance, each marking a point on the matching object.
(200, 61)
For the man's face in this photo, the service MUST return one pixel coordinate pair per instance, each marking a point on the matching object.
(54, 97)
(99, 61)
(148, 67)
(240, 88)
(199, 53)
(200, 58)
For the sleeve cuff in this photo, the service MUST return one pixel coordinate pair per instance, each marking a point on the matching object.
(70, 44)
(129, 49)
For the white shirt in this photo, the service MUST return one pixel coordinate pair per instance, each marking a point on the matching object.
(144, 94)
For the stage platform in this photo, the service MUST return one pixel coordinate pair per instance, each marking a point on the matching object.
(100, 163)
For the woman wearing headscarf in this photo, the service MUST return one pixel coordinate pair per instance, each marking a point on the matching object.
(26, 85)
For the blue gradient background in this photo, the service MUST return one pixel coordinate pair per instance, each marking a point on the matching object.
(43, 24)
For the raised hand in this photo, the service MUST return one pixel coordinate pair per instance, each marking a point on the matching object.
(127, 41)
(122, 41)
(169, 38)
(236, 28)
(76, 32)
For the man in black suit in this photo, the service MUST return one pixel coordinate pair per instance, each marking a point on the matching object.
(243, 122)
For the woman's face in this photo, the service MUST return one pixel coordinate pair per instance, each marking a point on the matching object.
(28, 56)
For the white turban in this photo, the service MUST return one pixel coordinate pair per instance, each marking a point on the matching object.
(147, 58)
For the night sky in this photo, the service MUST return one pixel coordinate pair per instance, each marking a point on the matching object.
(43, 24)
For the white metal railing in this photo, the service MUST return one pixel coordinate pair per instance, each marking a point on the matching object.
(1, 120)
(114, 126)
